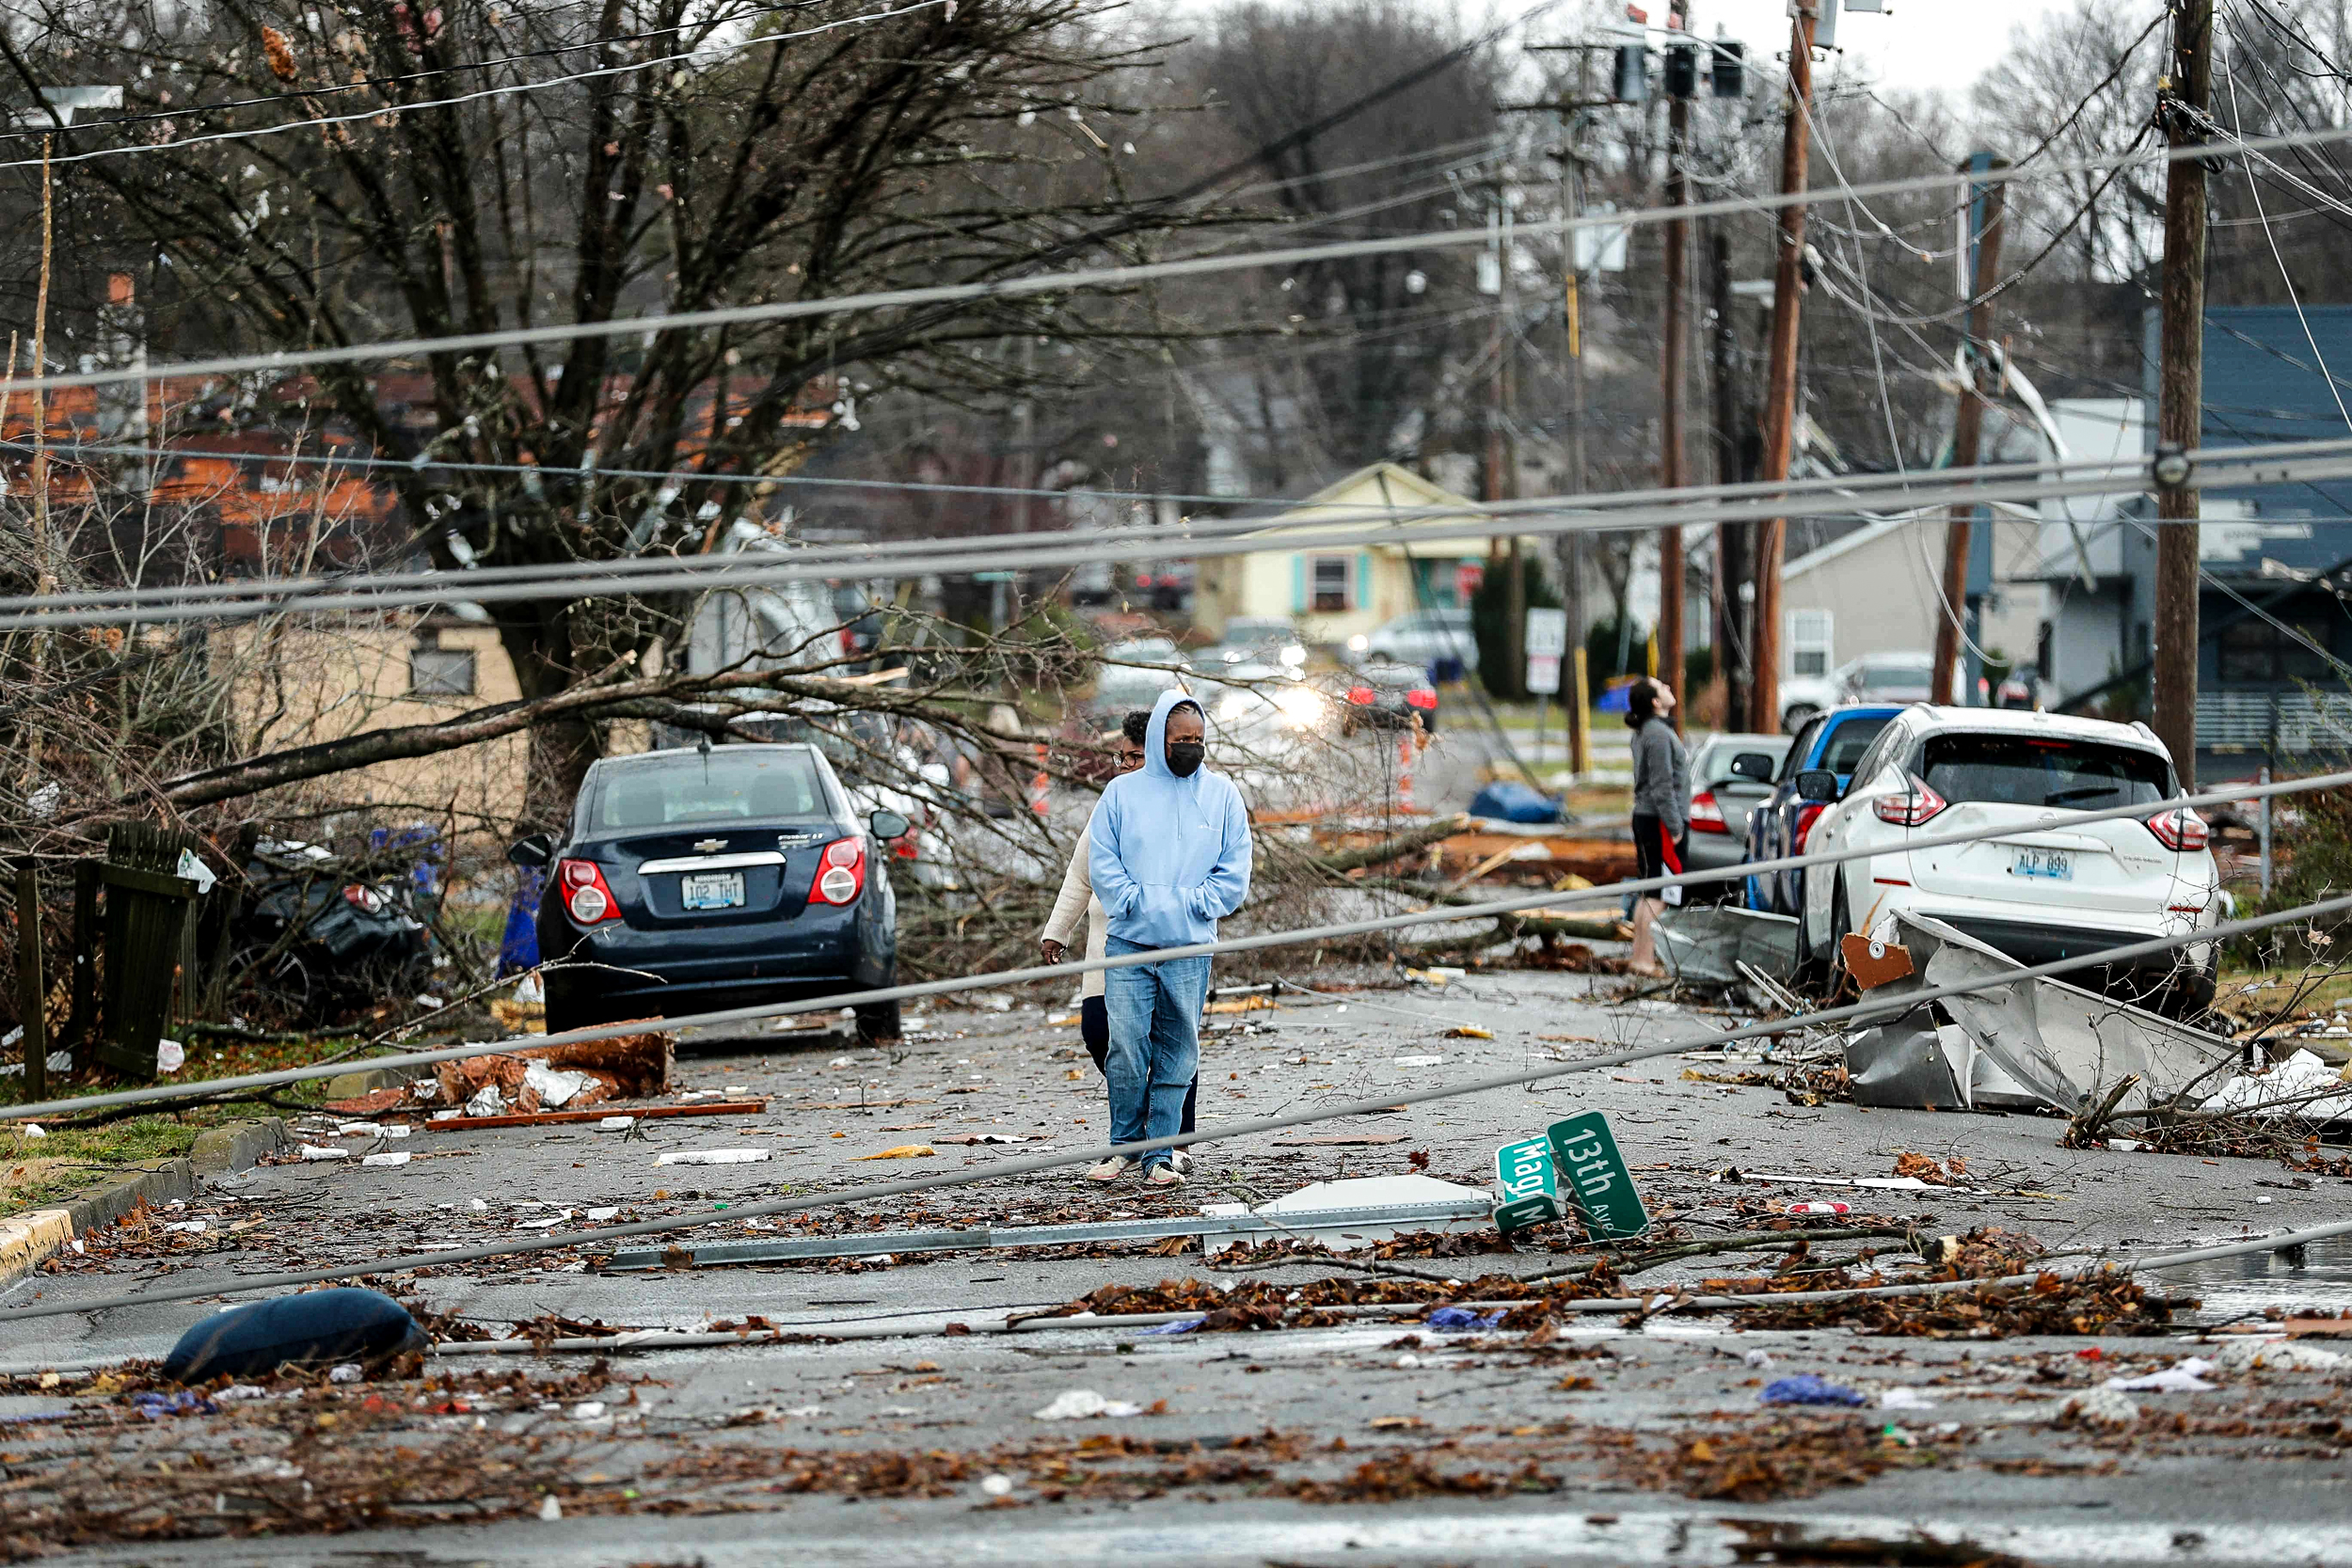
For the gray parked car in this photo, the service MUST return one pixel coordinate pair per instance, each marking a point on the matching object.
(1730, 776)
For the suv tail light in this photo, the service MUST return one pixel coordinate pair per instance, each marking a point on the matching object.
(1360, 695)
(2181, 829)
(586, 896)
(1808, 815)
(1911, 807)
(1421, 698)
(1707, 816)
(840, 873)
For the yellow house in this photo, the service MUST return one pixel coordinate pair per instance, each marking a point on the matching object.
(1337, 591)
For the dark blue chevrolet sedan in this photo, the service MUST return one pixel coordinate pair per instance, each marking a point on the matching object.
(709, 878)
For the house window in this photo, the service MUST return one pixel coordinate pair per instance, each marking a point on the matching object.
(2255, 651)
(1330, 582)
(1809, 642)
(440, 673)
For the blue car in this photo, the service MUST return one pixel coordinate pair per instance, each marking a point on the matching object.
(1834, 741)
(704, 879)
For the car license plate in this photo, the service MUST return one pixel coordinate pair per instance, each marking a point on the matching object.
(711, 890)
(2055, 865)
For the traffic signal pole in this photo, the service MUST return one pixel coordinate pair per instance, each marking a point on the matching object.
(2180, 109)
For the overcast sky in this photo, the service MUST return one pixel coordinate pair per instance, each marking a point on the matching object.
(1916, 43)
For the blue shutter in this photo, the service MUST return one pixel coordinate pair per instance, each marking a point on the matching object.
(1299, 585)
(1361, 597)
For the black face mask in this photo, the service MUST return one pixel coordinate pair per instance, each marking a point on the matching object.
(1184, 757)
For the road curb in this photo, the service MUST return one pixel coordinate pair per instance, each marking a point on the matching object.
(351, 1085)
(28, 1239)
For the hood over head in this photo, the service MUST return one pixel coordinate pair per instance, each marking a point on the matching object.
(1156, 734)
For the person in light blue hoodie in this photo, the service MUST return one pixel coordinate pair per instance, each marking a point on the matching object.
(1169, 858)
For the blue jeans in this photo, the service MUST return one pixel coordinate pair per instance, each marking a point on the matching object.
(1154, 1013)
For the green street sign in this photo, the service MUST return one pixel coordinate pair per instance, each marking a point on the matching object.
(1597, 1180)
(1531, 1188)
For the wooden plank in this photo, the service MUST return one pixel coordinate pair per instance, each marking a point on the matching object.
(32, 995)
(158, 882)
(82, 1028)
(549, 1119)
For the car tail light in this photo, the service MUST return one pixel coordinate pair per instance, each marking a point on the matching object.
(1911, 807)
(1360, 695)
(1808, 815)
(586, 897)
(2181, 829)
(849, 641)
(840, 873)
(360, 897)
(1421, 698)
(1706, 815)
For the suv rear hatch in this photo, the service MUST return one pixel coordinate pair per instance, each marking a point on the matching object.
(714, 836)
(2025, 787)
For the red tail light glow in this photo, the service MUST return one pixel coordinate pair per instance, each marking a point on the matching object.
(1421, 698)
(1808, 815)
(1359, 695)
(1706, 816)
(1911, 807)
(2181, 829)
(586, 896)
(840, 873)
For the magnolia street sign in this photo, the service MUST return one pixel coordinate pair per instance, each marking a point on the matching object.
(1598, 1184)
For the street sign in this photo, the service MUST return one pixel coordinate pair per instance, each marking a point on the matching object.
(1531, 1188)
(1548, 633)
(1598, 1182)
(1543, 673)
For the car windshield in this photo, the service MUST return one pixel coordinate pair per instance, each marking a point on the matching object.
(1894, 675)
(1847, 743)
(2036, 770)
(724, 784)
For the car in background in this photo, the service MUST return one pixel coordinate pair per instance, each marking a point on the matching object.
(1804, 697)
(1730, 775)
(1166, 585)
(715, 876)
(2037, 886)
(1887, 677)
(1434, 639)
(1134, 673)
(2021, 687)
(1834, 741)
(1387, 696)
(1271, 638)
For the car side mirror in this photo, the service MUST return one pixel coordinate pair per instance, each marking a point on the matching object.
(887, 825)
(1752, 765)
(536, 850)
(1817, 784)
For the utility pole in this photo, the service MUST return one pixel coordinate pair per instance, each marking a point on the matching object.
(1681, 83)
(1502, 475)
(1780, 395)
(2181, 106)
(1731, 539)
(1984, 239)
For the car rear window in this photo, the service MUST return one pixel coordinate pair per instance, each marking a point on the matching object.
(2083, 775)
(1847, 743)
(721, 786)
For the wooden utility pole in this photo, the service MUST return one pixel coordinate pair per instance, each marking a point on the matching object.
(1731, 539)
(1984, 228)
(1780, 392)
(2181, 106)
(1675, 349)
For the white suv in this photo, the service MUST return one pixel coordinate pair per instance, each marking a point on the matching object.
(2040, 886)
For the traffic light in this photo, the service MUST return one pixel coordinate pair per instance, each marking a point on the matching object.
(1730, 73)
(1682, 69)
(1632, 79)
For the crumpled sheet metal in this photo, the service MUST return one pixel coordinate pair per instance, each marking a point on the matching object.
(1708, 943)
(2057, 1045)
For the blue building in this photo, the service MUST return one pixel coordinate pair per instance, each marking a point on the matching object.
(2276, 626)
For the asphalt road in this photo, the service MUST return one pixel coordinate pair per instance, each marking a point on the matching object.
(1304, 1446)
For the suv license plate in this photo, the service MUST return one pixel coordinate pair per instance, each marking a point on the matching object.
(711, 890)
(2055, 865)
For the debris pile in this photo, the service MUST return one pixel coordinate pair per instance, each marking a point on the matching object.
(632, 1067)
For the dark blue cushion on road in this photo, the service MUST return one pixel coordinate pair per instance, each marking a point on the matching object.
(315, 1329)
(1513, 802)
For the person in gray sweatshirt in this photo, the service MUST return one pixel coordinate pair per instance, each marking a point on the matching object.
(1661, 806)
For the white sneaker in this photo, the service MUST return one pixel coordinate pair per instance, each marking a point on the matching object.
(1111, 1169)
(1165, 1176)
(1183, 1158)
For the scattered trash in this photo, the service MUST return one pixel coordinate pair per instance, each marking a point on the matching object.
(1819, 1208)
(550, 1509)
(608, 1211)
(2101, 1406)
(616, 1124)
(712, 1157)
(902, 1152)
(588, 1410)
(155, 1406)
(1468, 1031)
(2277, 1355)
(1081, 1405)
(315, 1328)
(631, 1067)
(312, 1152)
(1707, 943)
(1421, 1061)
(1186, 1326)
(33, 1129)
(552, 1087)
(488, 1101)
(170, 1056)
(996, 1485)
(2302, 1086)
(1806, 1388)
(2182, 1377)
(1462, 1320)
(1903, 1396)
(397, 1157)
(348, 1372)
(1758, 1359)
(192, 1227)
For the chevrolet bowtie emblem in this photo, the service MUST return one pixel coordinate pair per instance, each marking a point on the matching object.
(709, 845)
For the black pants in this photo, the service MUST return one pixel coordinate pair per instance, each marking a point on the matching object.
(1094, 1027)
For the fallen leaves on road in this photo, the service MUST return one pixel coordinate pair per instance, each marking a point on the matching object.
(903, 1151)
